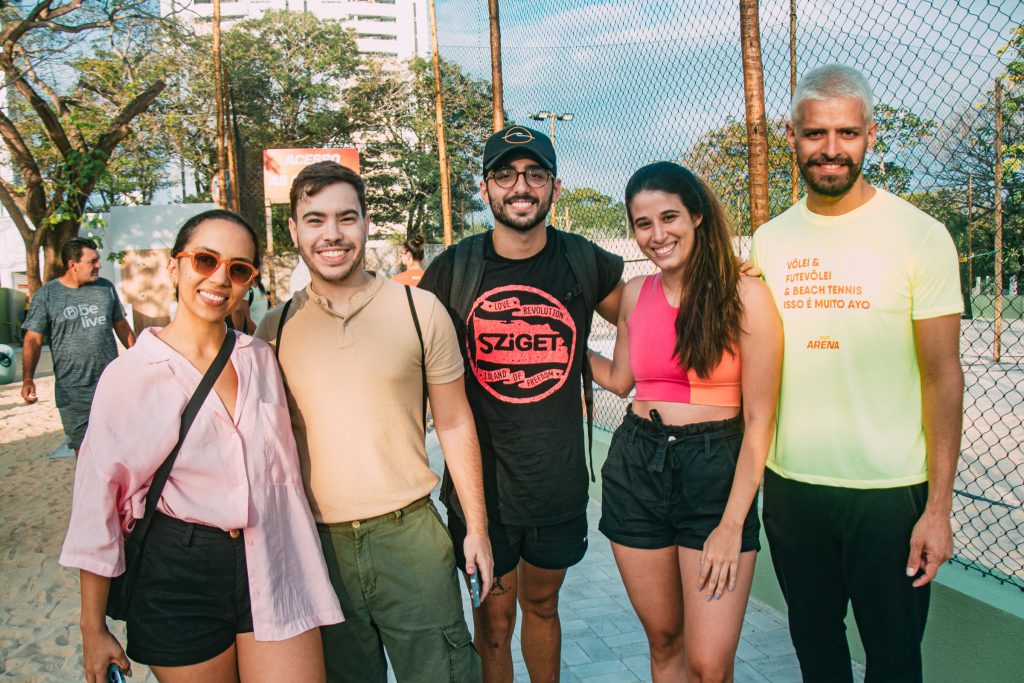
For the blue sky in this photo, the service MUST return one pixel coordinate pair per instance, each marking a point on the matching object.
(646, 79)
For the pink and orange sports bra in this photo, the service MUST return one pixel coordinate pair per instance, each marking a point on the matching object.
(652, 342)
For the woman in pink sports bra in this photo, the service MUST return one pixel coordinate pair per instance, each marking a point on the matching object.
(680, 484)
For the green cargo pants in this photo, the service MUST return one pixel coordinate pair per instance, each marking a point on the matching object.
(396, 581)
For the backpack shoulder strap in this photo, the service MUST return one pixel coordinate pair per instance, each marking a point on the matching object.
(280, 328)
(467, 274)
(579, 251)
(423, 353)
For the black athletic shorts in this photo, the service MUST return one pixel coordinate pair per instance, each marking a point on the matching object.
(191, 596)
(553, 546)
(665, 486)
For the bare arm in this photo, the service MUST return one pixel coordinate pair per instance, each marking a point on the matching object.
(760, 346)
(616, 375)
(31, 348)
(99, 647)
(937, 343)
(453, 420)
(609, 306)
(124, 332)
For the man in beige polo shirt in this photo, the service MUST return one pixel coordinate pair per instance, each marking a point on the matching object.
(357, 352)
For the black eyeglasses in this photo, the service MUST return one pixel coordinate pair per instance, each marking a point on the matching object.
(508, 177)
(206, 264)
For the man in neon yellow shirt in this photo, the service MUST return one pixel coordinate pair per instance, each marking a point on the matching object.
(858, 486)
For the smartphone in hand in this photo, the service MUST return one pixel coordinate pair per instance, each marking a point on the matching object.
(474, 588)
(114, 674)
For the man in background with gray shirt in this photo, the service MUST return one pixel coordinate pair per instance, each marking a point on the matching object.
(79, 311)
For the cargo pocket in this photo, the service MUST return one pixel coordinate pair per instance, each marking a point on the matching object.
(463, 660)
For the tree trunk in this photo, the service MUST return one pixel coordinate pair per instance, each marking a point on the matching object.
(757, 125)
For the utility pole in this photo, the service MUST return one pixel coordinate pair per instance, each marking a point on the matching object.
(496, 87)
(551, 116)
(218, 96)
(442, 152)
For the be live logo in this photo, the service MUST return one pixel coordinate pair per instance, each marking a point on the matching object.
(521, 342)
(82, 312)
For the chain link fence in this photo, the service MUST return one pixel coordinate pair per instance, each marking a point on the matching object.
(664, 81)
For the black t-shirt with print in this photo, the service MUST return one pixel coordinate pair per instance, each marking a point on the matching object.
(523, 347)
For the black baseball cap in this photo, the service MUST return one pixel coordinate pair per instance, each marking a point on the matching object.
(519, 140)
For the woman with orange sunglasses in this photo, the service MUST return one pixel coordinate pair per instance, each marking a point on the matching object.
(231, 583)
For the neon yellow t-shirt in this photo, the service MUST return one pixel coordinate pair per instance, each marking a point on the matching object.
(848, 289)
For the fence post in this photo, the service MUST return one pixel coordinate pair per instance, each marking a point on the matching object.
(794, 171)
(757, 125)
(997, 326)
(496, 87)
(442, 151)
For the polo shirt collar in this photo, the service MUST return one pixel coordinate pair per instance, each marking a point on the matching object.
(357, 303)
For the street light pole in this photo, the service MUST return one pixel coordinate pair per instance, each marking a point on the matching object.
(552, 117)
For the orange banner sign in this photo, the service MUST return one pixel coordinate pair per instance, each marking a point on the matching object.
(280, 166)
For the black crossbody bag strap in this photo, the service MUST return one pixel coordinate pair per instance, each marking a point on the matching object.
(188, 416)
(423, 353)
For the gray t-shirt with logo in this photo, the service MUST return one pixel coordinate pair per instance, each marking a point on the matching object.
(80, 322)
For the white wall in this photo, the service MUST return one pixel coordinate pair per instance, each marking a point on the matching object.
(142, 227)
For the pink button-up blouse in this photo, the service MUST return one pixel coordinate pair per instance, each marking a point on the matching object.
(230, 474)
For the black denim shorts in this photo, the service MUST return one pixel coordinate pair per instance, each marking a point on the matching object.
(191, 595)
(665, 486)
(552, 546)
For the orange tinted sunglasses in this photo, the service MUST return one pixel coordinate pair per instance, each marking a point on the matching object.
(206, 264)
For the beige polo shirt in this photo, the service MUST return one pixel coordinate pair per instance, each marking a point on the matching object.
(354, 390)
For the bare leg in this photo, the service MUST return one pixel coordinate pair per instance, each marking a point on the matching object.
(655, 588)
(713, 628)
(300, 658)
(221, 669)
(493, 623)
(542, 630)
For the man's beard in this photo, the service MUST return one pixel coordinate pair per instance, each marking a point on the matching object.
(526, 223)
(334, 275)
(832, 185)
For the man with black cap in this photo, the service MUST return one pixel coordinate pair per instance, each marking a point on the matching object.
(522, 298)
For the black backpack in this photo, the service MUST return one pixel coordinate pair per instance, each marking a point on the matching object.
(468, 272)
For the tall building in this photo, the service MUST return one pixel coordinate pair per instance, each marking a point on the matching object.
(395, 29)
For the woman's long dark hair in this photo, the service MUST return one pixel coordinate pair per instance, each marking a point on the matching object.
(708, 323)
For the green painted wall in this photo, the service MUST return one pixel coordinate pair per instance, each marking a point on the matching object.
(975, 625)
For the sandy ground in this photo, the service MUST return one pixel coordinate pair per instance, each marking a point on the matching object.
(39, 637)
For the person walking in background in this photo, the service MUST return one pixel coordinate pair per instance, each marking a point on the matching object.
(522, 297)
(858, 492)
(81, 313)
(360, 356)
(231, 584)
(412, 259)
(702, 344)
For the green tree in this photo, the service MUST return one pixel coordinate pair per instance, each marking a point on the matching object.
(900, 133)
(586, 211)
(62, 133)
(720, 157)
(286, 74)
(399, 155)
